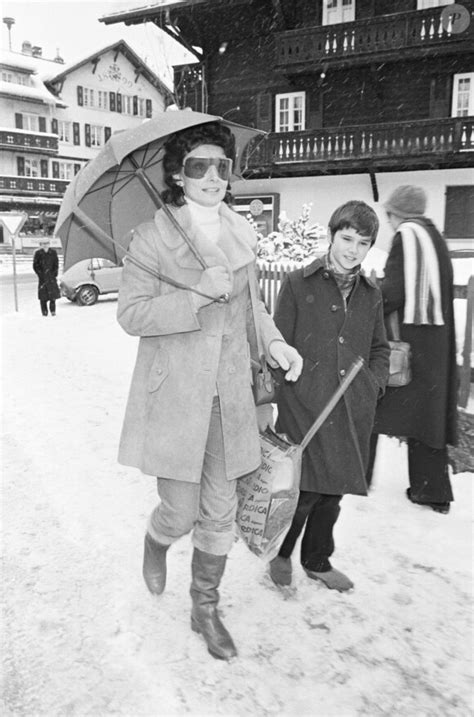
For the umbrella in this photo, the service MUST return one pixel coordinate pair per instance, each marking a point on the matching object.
(120, 188)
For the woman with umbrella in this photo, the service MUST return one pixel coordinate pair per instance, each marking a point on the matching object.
(190, 418)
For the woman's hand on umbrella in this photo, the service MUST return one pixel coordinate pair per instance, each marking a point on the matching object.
(287, 358)
(215, 282)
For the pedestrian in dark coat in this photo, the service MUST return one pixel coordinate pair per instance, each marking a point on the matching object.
(331, 313)
(45, 266)
(418, 285)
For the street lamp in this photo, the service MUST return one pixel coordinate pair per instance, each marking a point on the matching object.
(9, 21)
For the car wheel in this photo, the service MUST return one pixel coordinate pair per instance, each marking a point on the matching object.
(87, 295)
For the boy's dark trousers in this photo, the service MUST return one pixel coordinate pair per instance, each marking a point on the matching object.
(44, 307)
(320, 513)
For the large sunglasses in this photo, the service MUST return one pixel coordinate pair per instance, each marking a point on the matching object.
(196, 167)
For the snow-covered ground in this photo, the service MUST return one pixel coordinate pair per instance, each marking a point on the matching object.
(81, 635)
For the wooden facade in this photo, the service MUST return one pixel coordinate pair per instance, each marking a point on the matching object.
(378, 90)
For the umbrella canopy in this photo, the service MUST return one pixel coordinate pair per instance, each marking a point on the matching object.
(120, 187)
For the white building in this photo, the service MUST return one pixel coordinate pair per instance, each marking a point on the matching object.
(54, 118)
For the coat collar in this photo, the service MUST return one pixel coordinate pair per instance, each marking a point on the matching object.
(319, 265)
(235, 247)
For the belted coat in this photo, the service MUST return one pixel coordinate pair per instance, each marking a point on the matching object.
(312, 317)
(186, 355)
(46, 266)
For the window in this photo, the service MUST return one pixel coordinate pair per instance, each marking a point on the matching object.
(66, 170)
(459, 216)
(463, 95)
(425, 4)
(127, 105)
(31, 122)
(335, 11)
(102, 100)
(32, 168)
(97, 135)
(64, 131)
(88, 97)
(290, 112)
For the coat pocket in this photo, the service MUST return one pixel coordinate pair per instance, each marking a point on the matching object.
(158, 371)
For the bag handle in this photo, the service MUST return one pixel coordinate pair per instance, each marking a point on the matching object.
(394, 326)
(338, 393)
(253, 301)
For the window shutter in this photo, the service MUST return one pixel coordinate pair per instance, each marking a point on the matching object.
(77, 168)
(112, 101)
(119, 102)
(44, 167)
(18, 120)
(55, 166)
(42, 124)
(76, 135)
(20, 165)
(107, 133)
(135, 104)
(264, 111)
(87, 134)
(148, 108)
(80, 96)
(54, 126)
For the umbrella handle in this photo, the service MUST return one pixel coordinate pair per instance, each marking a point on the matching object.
(143, 178)
(338, 393)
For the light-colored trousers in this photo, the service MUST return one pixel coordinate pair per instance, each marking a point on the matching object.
(207, 508)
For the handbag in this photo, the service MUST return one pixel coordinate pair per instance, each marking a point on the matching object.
(267, 498)
(265, 385)
(400, 355)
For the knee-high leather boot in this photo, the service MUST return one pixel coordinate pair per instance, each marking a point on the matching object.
(154, 565)
(207, 571)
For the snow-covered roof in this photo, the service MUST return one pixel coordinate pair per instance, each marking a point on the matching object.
(36, 93)
(28, 63)
(126, 50)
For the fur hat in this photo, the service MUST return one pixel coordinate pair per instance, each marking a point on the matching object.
(407, 201)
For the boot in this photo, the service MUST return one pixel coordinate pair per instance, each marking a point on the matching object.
(280, 571)
(154, 565)
(207, 571)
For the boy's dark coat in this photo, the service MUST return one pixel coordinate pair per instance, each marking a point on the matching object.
(310, 314)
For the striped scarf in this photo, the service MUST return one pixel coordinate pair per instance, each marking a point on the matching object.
(421, 274)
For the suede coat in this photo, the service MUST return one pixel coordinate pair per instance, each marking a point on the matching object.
(186, 355)
(45, 266)
(425, 409)
(310, 314)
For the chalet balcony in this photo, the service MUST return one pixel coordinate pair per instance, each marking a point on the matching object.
(417, 33)
(422, 144)
(33, 186)
(34, 142)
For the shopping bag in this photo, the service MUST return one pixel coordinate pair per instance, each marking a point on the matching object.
(267, 498)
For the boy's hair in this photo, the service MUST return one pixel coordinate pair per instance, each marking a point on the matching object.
(178, 146)
(356, 215)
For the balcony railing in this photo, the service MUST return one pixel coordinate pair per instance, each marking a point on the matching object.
(36, 186)
(386, 33)
(29, 141)
(425, 140)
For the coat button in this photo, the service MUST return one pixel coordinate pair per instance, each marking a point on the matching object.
(231, 369)
(342, 371)
(326, 274)
(159, 371)
(334, 307)
(341, 339)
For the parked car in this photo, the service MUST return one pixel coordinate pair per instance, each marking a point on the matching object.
(87, 280)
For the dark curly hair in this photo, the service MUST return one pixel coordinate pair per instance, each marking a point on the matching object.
(178, 146)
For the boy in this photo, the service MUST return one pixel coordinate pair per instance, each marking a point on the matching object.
(331, 313)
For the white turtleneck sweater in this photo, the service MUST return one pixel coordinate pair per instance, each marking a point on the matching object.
(206, 218)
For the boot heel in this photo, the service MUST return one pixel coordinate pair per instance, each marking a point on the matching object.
(195, 626)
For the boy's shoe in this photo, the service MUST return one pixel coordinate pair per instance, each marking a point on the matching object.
(437, 507)
(280, 571)
(333, 579)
